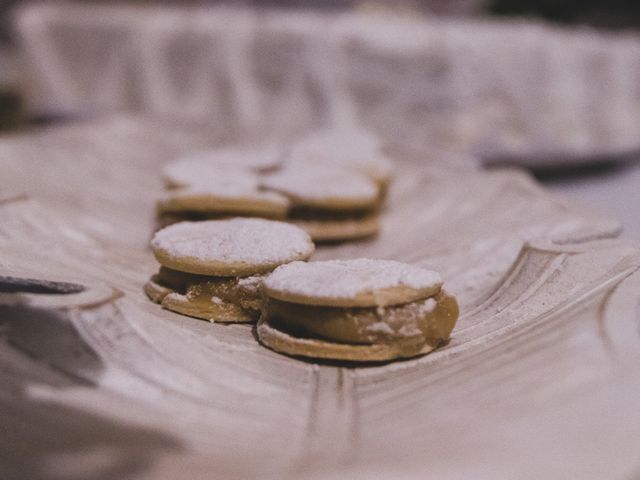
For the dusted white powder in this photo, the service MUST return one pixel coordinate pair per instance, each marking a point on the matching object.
(238, 240)
(204, 167)
(379, 327)
(251, 285)
(188, 173)
(322, 184)
(348, 278)
(225, 189)
(409, 330)
(428, 305)
(356, 149)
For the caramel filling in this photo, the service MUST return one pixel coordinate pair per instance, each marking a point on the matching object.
(319, 214)
(167, 218)
(222, 207)
(428, 320)
(203, 290)
(322, 225)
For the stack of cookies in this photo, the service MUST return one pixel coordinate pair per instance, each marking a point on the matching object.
(333, 196)
(329, 203)
(356, 310)
(241, 270)
(218, 264)
(214, 269)
(221, 184)
(357, 150)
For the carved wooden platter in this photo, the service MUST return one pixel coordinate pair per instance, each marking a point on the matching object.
(540, 379)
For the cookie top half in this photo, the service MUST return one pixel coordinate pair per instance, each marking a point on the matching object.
(232, 191)
(352, 283)
(236, 247)
(323, 187)
(351, 148)
(203, 167)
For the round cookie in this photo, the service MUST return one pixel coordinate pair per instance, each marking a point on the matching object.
(229, 197)
(351, 283)
(355, 310)
(204, 167)
(340, 230)
(352, 148)
(288, 344)
(321, 187)
(235, 247)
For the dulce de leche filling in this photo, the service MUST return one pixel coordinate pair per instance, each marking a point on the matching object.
(428, 320)
(243, 292)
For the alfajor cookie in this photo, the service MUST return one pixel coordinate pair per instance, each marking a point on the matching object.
(353, 149)
(355, 310)
(214, 269)
(204, 167)
(230, 193)
(332, 204)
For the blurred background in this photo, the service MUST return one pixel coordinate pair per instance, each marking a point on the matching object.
(553, 86)
(612, 15)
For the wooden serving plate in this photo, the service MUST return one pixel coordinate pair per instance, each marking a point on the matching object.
(540, 378)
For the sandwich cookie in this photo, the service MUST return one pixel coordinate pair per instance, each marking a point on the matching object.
(331, 204)
(354, 149)
(229, 193)
(203, 167)
(355, 310)
(214, 269)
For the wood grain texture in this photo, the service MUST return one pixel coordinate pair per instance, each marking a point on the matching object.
(540, 379)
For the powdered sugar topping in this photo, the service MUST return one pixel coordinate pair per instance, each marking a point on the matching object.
(239, 240)
(244, 187)
(317, 184)
(354, 149)
(345, 279)
(204, 167)
(251, 284)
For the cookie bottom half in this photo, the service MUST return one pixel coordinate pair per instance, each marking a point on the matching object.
(358, 334)
(325, 228)
(217, 299)
(326, 225)
(164, 219)
(284, 342)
